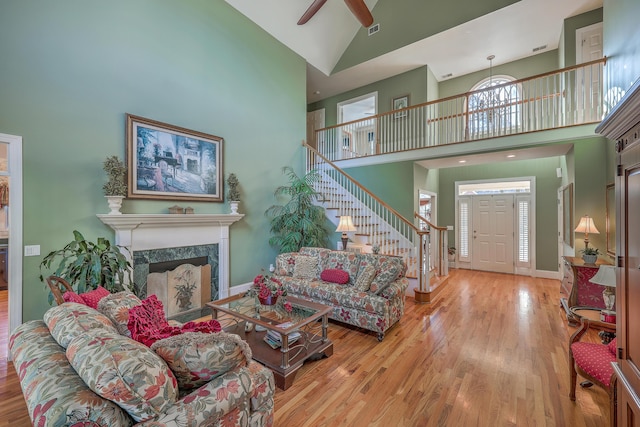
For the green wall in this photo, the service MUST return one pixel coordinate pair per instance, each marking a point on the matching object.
(547, 184)
(391, 182)
(568, 42)
(70, 71)
(412, 82)
(621, 46)
(408, 21)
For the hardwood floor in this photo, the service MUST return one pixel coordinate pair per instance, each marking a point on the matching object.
(490, 351)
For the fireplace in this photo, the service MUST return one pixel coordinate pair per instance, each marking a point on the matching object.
(164, 243)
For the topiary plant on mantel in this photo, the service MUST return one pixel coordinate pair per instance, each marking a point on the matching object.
(115, 189)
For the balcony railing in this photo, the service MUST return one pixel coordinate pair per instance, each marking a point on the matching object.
(568, 97)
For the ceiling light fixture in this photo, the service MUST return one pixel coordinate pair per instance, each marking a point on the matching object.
(511, 156)
(462, 161)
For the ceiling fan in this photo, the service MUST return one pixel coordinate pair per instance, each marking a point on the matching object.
(357, 7)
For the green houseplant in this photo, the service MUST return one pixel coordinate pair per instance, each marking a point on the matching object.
(85, 265)
(299, 222)
(590, 255)
(115, 189)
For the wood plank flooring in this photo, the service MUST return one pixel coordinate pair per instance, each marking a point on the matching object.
(490, 351)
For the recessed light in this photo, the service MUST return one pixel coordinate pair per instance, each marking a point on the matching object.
(317, 92)
(511, 156)
(462, 161)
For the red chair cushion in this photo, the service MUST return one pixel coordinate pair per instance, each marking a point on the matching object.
(334, 275)
(613, 344)
(594, 359)
(92, 298)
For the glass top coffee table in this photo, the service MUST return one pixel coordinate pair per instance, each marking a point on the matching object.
(286, 340)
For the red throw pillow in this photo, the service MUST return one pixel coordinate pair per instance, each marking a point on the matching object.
(92, 298)
(334, 275)
(71, 296)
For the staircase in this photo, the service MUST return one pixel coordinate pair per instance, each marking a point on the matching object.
(379, 225)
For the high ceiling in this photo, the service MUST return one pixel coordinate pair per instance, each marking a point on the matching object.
(509, 33)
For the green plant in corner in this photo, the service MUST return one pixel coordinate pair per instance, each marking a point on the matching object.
(85, 265)
(299, 222)
(117, 174)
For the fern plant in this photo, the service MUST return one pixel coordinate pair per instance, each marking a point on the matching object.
(299, 222)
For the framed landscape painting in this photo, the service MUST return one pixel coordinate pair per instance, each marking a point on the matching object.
(172, 163)
(399, 103)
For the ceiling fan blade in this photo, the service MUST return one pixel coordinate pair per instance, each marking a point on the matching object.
(360, 11)
(315, 6)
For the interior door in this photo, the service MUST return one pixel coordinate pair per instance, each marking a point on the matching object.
(589, 48)
(493, 233)
(315, 121)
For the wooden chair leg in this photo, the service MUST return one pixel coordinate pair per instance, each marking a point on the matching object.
(574, 377)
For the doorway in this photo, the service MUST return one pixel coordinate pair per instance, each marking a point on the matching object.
(13, 174)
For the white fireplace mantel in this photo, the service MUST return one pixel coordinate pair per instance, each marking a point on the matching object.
(138, 232)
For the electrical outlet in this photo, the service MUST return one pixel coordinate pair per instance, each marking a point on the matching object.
(32, 250)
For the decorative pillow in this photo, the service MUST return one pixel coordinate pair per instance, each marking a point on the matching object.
(306, 267)
(386, 274)
(333, 275)
(285, 263)
(125, 372)
(365, 277)
(196, 358)
(342, 260)
(92, 298)
(71, 296)
(116, 307)
(70, 319)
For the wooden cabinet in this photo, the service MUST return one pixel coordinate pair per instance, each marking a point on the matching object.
(577, 288)
(623, 126)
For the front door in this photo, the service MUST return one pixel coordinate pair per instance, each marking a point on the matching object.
(493, 233)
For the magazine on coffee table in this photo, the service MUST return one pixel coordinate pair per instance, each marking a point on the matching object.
(274, 339)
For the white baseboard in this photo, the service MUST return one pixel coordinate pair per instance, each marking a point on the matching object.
(238, 289)
(545, 274)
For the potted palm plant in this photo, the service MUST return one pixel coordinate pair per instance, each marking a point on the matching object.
(86, 265)
(300, 221)
(115, 189)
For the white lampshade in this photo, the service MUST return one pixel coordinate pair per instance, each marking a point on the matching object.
(606, 276)
(587, 226)
(346, 224)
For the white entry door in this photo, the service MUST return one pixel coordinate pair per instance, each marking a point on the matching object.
(493, 233)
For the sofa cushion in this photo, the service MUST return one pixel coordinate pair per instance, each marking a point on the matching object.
(320, 253)
(93, 297)
(285, 263)
(125, 372)
(333, 275)
(116, 307)
(365, 277)
(67, 321)
(386, 274)
(196, 358)
(306, 267)
(342, 260)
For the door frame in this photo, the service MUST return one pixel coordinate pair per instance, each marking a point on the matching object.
(579, 32)
(15, 230)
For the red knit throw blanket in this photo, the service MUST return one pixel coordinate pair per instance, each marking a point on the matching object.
(147, 323)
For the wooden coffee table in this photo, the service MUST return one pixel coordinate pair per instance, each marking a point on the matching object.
(240, 314)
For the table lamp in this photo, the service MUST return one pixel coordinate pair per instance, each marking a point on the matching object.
(586, 226)
(345, 225)
(606, 276)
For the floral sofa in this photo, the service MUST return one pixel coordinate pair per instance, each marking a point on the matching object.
(365, 290)
(76, 369)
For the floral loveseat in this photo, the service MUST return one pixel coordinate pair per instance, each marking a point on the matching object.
(370, 292)
(76, 369)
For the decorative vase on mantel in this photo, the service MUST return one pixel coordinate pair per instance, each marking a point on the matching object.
(234, 206)
(115, 203)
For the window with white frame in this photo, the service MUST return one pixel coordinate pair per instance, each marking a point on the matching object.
(494, 106)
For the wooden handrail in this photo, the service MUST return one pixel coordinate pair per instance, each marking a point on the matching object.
(420, 217)
(361, 187)
(466, 94)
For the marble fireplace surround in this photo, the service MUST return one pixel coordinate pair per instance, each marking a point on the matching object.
(140, 232)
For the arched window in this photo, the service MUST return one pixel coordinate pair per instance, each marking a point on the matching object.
(494, 107)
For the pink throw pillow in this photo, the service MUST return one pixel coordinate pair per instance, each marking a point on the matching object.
(92, 298)
(334, 275)
(71, 296)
